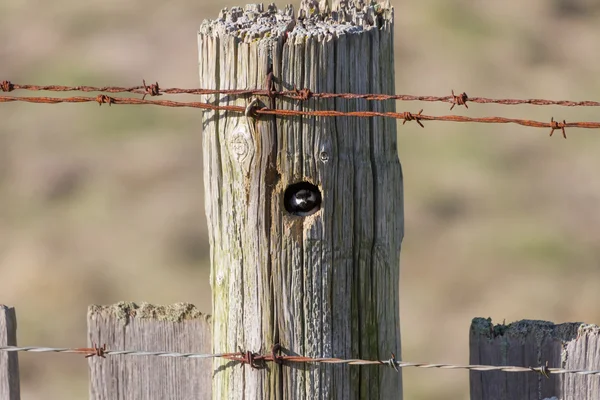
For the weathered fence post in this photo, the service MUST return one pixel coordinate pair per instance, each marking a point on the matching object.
(305, 213)
(532, 344)
(9, 361)
(179, 328)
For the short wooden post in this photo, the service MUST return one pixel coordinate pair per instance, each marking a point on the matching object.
(305, 214)
(177, 328)
(9, 361)
(531, 344)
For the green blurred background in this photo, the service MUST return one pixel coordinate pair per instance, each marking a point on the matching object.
(102, 204)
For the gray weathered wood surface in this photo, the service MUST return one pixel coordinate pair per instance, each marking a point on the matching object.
(530, 344)
(126, 326)
(322, 285)
(9, 362)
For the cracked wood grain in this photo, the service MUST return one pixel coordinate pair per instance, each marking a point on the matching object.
(323, 285)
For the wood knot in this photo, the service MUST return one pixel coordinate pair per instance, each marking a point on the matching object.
(240, 144)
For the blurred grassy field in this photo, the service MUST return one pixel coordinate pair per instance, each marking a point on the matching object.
(105, 204)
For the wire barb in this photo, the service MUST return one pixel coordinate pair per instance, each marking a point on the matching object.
(152, 89)
(250, 358)
(6, 86)
(95, 351)
(460, 100)
(392, 363)
(102, 98)
(254, 360)
(407, 116)
(554, 125)
(302, 94)
(542, 370)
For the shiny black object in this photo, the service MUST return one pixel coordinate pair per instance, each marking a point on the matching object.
(302, 199)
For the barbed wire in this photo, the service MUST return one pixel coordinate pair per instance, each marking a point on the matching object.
(303, 94)
(256, 111)
(256, 361)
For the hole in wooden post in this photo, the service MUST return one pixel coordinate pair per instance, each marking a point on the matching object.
(302, 199)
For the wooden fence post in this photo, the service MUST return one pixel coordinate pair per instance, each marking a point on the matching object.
(177, 328)
(9, 361)
(305, 213)
(531, 344)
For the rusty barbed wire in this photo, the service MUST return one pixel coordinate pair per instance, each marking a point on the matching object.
(96, 351)
(460, 100)
(405, 116)
(297, 94)
(102, 351)
(256, 360)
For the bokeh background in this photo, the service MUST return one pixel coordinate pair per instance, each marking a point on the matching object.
(102, 204)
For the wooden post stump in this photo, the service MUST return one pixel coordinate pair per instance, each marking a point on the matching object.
(9, 361)
(305, 213)
(531, 344)
(178, 328)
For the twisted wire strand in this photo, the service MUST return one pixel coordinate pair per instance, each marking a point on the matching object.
(242, 358)
(255, 111)
(155, 90)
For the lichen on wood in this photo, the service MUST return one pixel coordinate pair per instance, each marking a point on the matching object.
(124, 310)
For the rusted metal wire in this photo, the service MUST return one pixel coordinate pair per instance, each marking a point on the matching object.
(460, 100)
(94, 351)
(256, 360)
(297, 94)
(102, 351)
(405, 116)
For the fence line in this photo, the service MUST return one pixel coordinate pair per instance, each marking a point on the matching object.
(256, 360)
(303, 94)
(254, 110)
